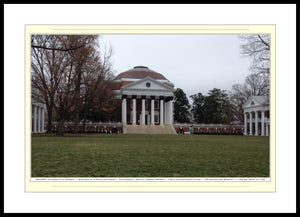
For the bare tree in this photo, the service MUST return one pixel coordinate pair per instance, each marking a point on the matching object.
(63, 66)
(80, 57)
(44, 46)
(96, 93)
(47, 66)
(258, 48)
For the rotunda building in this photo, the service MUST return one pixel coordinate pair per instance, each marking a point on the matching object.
(143, 97)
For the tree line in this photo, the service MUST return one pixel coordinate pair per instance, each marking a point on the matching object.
(212, 108)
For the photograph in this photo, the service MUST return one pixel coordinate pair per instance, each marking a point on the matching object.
(150, 105)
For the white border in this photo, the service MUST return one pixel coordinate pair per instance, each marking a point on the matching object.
(283, 201)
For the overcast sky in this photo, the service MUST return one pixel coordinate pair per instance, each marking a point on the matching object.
(194, 63)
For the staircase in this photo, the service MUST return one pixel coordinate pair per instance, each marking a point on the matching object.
(149, 129)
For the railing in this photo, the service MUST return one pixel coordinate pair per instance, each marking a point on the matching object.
(209, 128)
(258, 119)
(208, 125)
(90, 127)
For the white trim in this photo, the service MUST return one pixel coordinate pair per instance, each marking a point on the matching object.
(164, 86)
(137, 79)
(146, 93)
(164, 90)
(257, 108)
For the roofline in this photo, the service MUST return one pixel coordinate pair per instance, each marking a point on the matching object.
(138, 79)
(252, 98)
(143, 68)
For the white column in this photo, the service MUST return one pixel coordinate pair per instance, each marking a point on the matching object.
(245, 124)
(262, 123)
(267, 129)
(124, 110)
(43, 120)
(250, 127)
(169, 112)
(39, 120)
(134, 110)
(256, 123)
(143, 111)
(152, 111)
(34, 118)
(165, 112)
(161, 112)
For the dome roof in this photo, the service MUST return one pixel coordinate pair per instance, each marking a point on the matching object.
(140, 72)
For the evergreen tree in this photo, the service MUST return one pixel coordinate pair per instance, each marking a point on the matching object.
(214, 108)
(217, 107)
(181, 107)
(198, 107)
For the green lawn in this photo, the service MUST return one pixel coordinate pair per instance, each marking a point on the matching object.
(150, 156)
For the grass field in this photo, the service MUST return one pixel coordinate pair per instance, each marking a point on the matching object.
(150, 156)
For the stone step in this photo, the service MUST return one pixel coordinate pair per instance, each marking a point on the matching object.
(148, 129)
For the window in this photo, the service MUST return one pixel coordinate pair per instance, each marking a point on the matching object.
(148, 84)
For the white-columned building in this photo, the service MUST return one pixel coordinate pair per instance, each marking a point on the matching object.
(257, 116)
(144, 97)
(37, 116)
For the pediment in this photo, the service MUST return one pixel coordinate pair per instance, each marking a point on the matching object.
(255, 101)
(147, 84)
(251, 103)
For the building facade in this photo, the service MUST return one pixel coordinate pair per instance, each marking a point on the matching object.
(257, 116)
(143, 97)
(37, 116)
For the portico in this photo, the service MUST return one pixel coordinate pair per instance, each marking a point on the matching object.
(257, 116)
(147, 110)
(145, 96)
